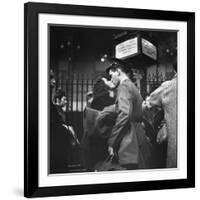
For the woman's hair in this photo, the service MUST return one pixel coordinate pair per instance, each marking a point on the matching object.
(101, 96)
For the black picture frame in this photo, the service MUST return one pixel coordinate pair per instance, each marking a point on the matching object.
(31, 12)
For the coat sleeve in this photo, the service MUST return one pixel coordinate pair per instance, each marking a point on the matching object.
(123, 110)
(155, 98)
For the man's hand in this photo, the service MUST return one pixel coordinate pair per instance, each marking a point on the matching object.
(108, 83)
(110, 151)
(146, 104)
(162, 135)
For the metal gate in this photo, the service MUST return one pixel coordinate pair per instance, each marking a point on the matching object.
(77, 87)
(153, 81)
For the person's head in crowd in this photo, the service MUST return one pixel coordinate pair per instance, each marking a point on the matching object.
(118, 70)
(52, 86)
(60, 99)
(133, 78)
(52, 79)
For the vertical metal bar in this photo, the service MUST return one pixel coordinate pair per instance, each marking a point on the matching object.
(67, 98)
(67, 87)
(92, 83)
(82, 91)
(67, 95)
(77, 89)
(71, 88)
(82, 100)
(87, 84)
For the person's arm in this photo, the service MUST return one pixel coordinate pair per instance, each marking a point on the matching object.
(71, 130)
(155, 98)
(123, 109)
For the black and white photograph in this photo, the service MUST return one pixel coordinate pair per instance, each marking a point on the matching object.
(109, 102)
(112, 99)
(100, 100)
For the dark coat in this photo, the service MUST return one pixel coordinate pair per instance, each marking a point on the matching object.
(98, 126)
(93, 148)
(59, 143)
(62, 144)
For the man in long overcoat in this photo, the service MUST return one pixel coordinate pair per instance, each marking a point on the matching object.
(165, 97)
(128, 107)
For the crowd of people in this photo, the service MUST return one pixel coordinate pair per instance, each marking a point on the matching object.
(122, 131)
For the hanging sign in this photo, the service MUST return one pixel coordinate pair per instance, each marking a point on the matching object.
(149, 49)
(126, 48)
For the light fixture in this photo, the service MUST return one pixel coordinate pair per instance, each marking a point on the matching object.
(78, 46)
(68, 43)
(104, 57)
(167, 50)
(62, 46)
